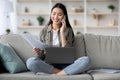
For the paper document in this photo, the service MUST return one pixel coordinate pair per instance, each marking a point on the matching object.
(105, 70)
(34, 42)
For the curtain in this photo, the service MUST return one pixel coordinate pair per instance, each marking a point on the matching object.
(2, 17)
(7, 17)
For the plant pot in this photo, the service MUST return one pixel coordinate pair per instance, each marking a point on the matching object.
(110, 10)
(8, 31)
(40, 23)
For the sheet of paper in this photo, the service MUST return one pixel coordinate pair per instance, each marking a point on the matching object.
(105, 70)
(33, 41)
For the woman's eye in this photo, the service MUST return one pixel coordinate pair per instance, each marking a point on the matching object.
(59, 15)
(53, 14)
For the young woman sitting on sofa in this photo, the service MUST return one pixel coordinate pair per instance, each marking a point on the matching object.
(60, 28)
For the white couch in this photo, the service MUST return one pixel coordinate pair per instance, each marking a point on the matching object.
(104, 52)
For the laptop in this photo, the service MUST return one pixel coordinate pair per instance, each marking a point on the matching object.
(60, 55)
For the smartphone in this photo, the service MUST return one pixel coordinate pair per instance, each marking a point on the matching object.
(64, 19)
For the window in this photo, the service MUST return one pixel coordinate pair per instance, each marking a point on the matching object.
(7, 16)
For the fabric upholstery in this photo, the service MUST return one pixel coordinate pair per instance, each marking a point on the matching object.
(32, 76)
(20, 45)
(79, 45)
(106, 76)
(104, 51)
(2, 68)
(10, 60)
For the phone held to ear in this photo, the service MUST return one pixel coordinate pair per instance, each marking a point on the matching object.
(64, 19)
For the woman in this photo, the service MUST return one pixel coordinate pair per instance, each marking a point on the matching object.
(58, 33)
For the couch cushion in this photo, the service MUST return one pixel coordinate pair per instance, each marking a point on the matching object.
(104, 51)
(19, 44)
(79, 45)
(32, 76)
(106, 76)
(10, 60)
(2, 68)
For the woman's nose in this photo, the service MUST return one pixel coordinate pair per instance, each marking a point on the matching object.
(56, 16)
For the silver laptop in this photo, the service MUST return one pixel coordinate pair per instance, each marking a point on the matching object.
(60, 55)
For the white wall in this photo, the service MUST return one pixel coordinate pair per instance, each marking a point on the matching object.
(100, 6)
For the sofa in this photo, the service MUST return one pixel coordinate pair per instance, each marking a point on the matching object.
(104, 52)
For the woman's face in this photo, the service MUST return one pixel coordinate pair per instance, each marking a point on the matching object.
(57, 15)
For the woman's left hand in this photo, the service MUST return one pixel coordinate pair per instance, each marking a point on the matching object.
(62, 33)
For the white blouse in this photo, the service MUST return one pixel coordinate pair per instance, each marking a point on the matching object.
(55, 39)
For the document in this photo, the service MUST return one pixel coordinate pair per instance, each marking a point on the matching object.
(105, 70)
(33, 41)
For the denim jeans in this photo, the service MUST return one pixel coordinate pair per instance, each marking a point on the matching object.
(80, 65)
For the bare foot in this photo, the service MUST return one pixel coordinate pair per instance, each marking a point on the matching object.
(55, 71)
(62, 72)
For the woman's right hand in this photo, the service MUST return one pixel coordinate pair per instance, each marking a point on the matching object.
(37, 51)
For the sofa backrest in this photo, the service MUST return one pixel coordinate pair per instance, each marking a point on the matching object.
(21, 47)
(24, 49)
(104, 51)
(79, 45)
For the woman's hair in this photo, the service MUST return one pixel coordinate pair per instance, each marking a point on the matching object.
(62, 7)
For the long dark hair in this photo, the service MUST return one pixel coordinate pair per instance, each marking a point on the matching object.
(61, 6)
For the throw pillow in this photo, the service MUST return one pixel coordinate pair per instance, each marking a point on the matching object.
(10, 60)
(2, 68)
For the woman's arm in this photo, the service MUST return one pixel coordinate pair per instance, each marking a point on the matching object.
(62, 33)
(67, 35)
(63, 38)
(67, 38)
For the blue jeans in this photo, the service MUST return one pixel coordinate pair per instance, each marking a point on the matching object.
(80, 65)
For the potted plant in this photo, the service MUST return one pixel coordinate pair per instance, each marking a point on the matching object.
(8, 31)
(111, 7)
(40, 20)
(78, 32)
(25, 32)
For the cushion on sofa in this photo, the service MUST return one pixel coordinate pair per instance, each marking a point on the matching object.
(79, 45)
(32, 76)
(104, 51)
(106, 76)
(10, 60)
(2, 68)
(19, 44)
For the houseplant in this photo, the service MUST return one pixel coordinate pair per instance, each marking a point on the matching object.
(78, 32)
(111, 7)
(40, 20)
(8, 31)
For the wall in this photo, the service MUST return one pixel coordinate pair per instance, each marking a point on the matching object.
(43, 8)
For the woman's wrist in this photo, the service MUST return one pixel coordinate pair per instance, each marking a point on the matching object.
(63, 39)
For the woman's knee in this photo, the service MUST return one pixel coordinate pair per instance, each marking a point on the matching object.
(35, 64)
(79, 66)
(84, 61)
(31, 63)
